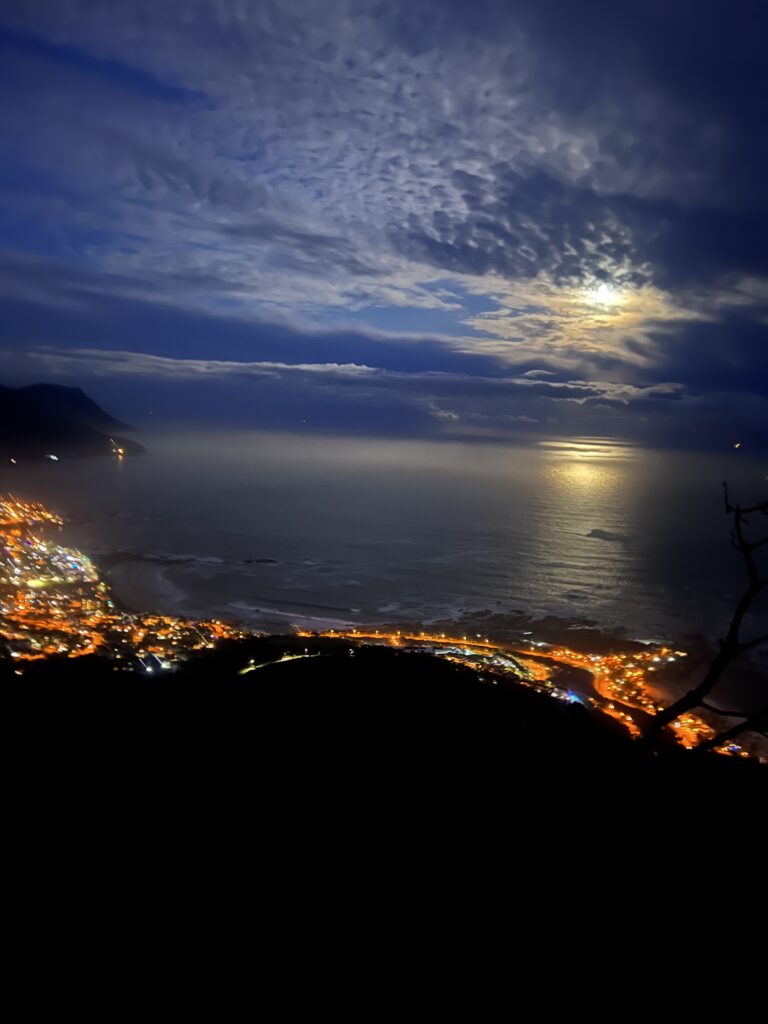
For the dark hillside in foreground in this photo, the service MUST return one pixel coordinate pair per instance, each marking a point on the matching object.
(345, 727)
(50, 419)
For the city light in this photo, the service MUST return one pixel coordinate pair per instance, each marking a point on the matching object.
(52, 601)
(618, 684)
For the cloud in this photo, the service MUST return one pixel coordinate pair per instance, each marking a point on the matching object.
(143, 364)
(101, 71)
(553, 193)
(451, 397)
(371, 400)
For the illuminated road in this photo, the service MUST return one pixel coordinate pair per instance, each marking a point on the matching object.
(618, 683)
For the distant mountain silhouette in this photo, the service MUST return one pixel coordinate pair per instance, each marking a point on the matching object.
(50, 419)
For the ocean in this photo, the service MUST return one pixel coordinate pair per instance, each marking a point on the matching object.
(280, 531)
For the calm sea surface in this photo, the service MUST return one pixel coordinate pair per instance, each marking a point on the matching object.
(279, 530)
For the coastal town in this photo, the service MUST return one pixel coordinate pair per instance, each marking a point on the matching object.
(54, 602)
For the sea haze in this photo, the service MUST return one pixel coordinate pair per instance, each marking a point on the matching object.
(282, 530)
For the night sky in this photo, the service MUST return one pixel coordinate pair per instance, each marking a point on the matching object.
(454, 219)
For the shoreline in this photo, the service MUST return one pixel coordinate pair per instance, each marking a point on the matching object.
(580, 633)
(138, 584)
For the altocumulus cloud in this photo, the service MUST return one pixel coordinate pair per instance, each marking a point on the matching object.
(505, 218)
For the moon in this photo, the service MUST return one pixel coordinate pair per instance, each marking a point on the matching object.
(604, 294)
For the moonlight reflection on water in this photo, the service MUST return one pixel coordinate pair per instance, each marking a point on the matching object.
(277, 529)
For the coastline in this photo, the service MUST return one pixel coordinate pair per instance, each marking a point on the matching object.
(140, 583)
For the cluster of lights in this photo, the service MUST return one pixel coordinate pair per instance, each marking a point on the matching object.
(53, 602)
(620, 681)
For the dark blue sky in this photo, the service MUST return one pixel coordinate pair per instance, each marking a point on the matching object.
(424, 218)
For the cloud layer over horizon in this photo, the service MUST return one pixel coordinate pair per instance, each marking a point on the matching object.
(413, 218)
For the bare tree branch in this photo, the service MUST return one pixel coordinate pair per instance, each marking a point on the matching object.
(754, 722)
(731, 645)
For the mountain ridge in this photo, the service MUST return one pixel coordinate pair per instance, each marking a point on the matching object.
(43, 419)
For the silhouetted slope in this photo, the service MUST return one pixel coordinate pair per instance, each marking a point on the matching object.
(71, 404)
(335, 727)
(46, 418)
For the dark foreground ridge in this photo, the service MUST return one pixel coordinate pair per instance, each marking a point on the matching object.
(47, 419)
(322, 719)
